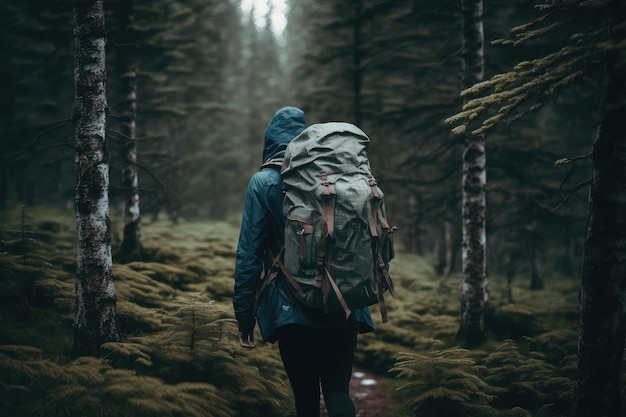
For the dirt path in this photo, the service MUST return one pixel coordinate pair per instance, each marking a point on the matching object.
(370, 396)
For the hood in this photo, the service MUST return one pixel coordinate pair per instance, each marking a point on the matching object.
(286, 124)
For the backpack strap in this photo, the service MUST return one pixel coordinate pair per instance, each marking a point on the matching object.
(328, 206)
(275, 163)
(269, 277)
(324, 253)
(276, 266)
(329, 280)
(273, 271)
(376, 194)
(378, 238)
(278, 263)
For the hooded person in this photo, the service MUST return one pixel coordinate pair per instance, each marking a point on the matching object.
(315, 347)
(262, 223)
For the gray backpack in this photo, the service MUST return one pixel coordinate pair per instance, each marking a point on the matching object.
(338, 242)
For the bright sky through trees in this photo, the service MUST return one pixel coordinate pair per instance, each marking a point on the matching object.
(261, 7)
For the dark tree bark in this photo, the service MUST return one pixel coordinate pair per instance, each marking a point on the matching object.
(474, 295)
(536, 278)
(444, 255)
(510, 276)
(444, 248)
(174, 175)
(130, 249)
(603, 291)
(357, 72)
(95, 322)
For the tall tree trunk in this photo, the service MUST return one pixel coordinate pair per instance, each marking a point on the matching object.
(603, 290)
(536, 278)
(510, 276)
(474, 295)
(95, 322)
(130, 249)
(4, 185)
(174, 174)
(444, 249)
(444, 256)
(357, 72)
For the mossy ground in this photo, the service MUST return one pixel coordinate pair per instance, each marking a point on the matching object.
(180, 355)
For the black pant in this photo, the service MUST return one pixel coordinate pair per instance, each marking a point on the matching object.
(313, 356)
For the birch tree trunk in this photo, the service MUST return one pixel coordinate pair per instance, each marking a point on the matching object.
(95, 322)
(474, 295)
(603, 290)
(130, 249)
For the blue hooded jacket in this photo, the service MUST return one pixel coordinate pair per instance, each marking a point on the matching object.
(262, 232)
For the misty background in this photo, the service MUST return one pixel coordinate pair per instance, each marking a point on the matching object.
(211, 73)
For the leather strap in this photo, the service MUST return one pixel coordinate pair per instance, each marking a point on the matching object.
(328, 221)
(381, 269)
(342, 301)
(290, 278)
(328, 205)
(372, 182)
(374, 205)
(277, 263)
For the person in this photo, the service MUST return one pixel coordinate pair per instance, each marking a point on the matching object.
(316, 348)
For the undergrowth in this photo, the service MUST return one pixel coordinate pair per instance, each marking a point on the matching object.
(180, 355)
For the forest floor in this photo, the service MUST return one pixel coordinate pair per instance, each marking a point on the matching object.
(187, 277)
(371, 397)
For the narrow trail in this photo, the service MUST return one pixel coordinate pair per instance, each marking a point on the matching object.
(370, 396)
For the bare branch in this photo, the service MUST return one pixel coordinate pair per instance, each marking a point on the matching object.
(572, 192)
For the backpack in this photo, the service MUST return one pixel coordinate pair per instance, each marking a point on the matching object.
(338, 242)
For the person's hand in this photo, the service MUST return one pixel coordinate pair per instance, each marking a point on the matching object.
(246, 339)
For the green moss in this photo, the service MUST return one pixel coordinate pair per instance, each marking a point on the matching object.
(179, 336)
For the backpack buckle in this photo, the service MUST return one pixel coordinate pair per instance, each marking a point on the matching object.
(329, 189)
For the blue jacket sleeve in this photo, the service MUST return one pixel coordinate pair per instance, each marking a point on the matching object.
(255, 230)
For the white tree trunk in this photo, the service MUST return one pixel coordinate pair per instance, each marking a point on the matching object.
(131, 245)
(474, 295)
(95, 322)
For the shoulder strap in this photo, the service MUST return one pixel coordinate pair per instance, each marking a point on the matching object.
(275, 163)
(378, 239)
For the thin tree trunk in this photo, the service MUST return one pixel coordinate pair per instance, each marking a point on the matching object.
(444, 255)
(174, 175)
(536, 278)
(95, 322)
(474, 294)
(356, 62)
(603, 290)
(130, 249)
(510, 276)
(454, 255)
(444, 249)
(4, 185)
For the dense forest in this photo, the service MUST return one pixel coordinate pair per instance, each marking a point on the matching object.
(130, 129)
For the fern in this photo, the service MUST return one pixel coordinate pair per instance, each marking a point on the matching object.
(127, 354)
(91, 387)
(446, 381)
(525, 381)
(196, 344)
